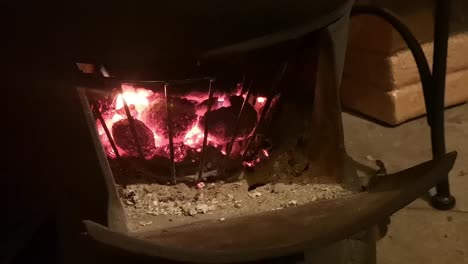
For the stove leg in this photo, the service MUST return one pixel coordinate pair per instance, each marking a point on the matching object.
(433, 84)
(443, 200)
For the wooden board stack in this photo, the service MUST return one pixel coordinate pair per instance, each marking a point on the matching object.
(380, 77)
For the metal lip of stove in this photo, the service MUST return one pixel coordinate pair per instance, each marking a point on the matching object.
(283, 232)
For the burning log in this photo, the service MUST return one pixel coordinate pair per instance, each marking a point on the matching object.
(123, 137)
(223, 120)
(183, 116)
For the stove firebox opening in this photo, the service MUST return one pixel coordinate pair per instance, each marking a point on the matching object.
(187, 150)
(175, 134)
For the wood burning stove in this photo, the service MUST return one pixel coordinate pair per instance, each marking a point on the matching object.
(268, 113)
(210, 145)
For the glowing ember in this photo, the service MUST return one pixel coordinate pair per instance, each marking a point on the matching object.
(180, 152)
(252, 163)
(262, 155)
(107, 147)
(261, 100)
(200, 185)
(194, 137)
(188, 111)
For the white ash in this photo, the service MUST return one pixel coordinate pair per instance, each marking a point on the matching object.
(180, 204)
(254, 194)
(145, 223)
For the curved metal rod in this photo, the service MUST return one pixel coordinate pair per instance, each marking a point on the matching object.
(412, 43)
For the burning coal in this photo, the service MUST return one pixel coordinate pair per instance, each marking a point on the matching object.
(183, 116)
(188, 118)
(122, 133)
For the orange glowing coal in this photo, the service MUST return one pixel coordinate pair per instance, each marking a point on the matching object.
(149, 113)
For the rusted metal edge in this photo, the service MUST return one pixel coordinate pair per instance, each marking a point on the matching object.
(282, 232)
(115, 212)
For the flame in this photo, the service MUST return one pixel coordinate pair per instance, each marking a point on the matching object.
(221, 102)
(100, 129)
(133, 96)
(194, 136)
(115, 118)
(239, 89)
(261, 99)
